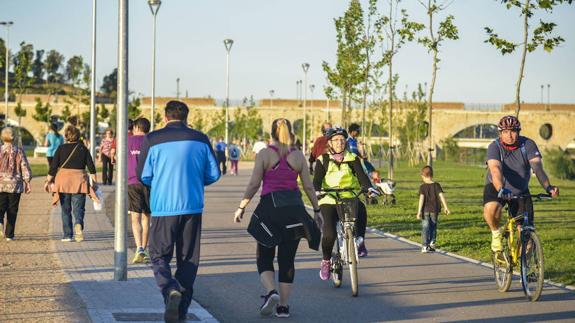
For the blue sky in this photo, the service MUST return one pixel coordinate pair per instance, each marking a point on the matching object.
(272, 39)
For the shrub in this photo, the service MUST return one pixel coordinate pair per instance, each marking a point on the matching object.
(560, 164)
(450, 149)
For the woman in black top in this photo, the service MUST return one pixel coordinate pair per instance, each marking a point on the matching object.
(72, 183)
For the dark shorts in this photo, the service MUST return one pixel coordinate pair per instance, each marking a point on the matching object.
(515, 206)
(138, 198)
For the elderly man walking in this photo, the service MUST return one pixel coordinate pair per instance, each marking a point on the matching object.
(176, 162)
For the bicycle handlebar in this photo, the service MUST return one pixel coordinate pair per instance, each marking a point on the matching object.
(540, 196)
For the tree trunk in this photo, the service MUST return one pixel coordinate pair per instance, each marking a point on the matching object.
(390, 116)
(523, 56)
(343, 105)
(431, 89)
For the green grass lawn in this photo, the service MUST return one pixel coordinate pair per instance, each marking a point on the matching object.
(464, 232)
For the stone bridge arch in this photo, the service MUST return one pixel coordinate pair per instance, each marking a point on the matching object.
(449, 123)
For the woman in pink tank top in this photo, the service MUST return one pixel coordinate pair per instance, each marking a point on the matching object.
(277, 168)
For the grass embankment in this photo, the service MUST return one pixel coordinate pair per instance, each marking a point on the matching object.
(464, 232)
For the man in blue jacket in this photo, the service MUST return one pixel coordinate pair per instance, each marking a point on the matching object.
(176, 162)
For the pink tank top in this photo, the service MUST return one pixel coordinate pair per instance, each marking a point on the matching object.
(281, 177)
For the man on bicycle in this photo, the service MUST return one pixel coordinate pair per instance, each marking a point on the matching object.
(339, 168)
(510, 160)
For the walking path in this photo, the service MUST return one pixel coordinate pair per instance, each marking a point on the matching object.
(397, 283)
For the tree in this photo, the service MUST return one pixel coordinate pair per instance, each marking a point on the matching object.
(20, 112)
(110, 84)
(2, 60)
(348, 73)
(74, 68)
(445, 30)
(542, 35)
(397, 31)
(38, 67)
(66, 113)
(134, 108)
(22, 68)
(197, 119)
(53, 64)
(42, 112)
(103, 112)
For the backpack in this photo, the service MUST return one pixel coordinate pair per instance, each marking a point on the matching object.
(234, 153)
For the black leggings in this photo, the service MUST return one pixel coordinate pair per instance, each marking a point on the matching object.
(330, 218)
(286, 255)
(107, 170)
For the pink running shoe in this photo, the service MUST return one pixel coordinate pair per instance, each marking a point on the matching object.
(324, 272)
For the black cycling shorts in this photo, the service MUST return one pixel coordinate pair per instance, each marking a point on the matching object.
(515, 206)
(138, 198)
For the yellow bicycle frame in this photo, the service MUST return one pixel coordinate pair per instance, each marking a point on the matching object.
(513, 240)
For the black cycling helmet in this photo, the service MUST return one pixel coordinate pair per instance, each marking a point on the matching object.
(336, 131)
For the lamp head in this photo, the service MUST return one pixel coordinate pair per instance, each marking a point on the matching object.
(154, 6)
(228, 43)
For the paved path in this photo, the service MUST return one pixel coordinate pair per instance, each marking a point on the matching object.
(397, 283)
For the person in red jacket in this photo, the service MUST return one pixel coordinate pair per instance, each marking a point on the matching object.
(319, 146)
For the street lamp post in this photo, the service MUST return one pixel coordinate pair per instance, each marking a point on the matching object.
(93, 86)
(154, 8)
(541, 101)
(6, 24)
(178, 88)
(228, 43)
(305, 67)
(120, 227)
(548, 97)
(272, 92)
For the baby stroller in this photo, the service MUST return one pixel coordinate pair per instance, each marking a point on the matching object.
(387, 187)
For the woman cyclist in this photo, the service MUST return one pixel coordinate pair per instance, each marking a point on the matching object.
(339, 168)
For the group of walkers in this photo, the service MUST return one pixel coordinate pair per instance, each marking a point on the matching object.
(169, 168)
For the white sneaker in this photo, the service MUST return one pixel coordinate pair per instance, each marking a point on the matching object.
(9, 239)
(432, 244)
(424, 249)
(66, 240)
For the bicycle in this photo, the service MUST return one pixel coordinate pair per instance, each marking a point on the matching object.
(521, 247)
(346, 244)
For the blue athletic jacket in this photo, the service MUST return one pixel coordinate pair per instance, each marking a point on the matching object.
(177, 162)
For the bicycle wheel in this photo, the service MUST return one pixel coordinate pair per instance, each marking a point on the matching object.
(336, 270)
(351, 251)
(532, 272)
(502, 267)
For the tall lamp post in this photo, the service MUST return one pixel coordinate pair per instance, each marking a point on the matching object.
(272, 92)
(178, 88)
(120, 227)
(93, 86)
(305, 67)
(228, 43)
(154, 8)
(548, 97)
(6, 24)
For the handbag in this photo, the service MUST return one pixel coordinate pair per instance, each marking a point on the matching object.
(265, 234)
